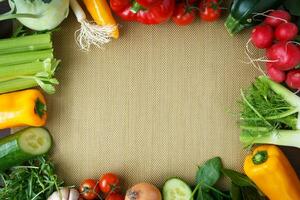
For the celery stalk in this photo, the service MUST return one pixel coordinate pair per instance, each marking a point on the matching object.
(26, 43)
(17, 84)
(27, 62)
(24, 57)
(6, 72)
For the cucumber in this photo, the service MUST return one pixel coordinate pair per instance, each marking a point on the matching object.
(242, 12)
(176, 189)
(24, 145)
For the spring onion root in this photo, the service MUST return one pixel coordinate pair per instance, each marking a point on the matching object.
(90, 33)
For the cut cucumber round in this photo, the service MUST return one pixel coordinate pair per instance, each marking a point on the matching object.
(35, 141)
(24, 145)
(176, 189)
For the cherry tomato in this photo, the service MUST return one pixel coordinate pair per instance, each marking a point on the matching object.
(115, 196)
(109, 182)
(89, 189)
(182, 15)
(210, 10)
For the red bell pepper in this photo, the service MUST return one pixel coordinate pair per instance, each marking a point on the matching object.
(144, 11)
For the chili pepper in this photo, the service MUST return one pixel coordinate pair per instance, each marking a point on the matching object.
(27, 107)
(144, 11)
(271, 171)
(101, 13)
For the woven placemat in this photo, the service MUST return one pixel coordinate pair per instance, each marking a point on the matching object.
(153, 104)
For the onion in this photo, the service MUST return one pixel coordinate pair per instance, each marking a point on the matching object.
(143, 191)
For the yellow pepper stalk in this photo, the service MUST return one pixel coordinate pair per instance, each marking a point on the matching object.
(101, 13)
(27, 107)
(271, 171)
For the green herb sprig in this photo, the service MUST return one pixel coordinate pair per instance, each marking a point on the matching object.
(34, 181)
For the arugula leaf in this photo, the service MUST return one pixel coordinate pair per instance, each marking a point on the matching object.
(35, 180)
(210, 172)
(293, 6)
(238, 178)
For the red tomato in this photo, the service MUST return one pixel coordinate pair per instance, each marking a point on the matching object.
(182, 15)
(210, 10)
(89, 189)
(109, 182)
(115, 196)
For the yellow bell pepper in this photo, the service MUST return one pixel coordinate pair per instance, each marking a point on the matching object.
(271, 171)
(27, 107)
(101, 13)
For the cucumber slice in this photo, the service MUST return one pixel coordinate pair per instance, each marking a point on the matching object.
(24, 145)
(176, 189)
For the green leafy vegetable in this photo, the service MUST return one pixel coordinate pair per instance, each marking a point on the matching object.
(210, 172)
(235, 192)
(242, 188)
(237, 178)
(293, 6)
(207, 176)
(251, 193)
(34, 181)
(269, 114)
(38, 15)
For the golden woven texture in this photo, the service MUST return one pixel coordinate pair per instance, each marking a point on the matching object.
(152, 105)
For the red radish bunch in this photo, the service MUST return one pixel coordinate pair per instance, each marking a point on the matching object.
(262, 36)
(276, 35)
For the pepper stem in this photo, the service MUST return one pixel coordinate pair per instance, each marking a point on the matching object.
(260, 157)
(40, 108)
(136, 7)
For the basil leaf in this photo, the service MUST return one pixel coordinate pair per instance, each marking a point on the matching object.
(293, 6)
(238, 178)
(210, 172)
(235, 192)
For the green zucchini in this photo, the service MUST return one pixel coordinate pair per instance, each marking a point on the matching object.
(23, 145)
(176, 189)
(242, 12)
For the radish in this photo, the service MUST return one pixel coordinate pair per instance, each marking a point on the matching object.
(284, 55)
(262, 36)
(286, 31)
(277, 17)
(275, 74)
(293, 79)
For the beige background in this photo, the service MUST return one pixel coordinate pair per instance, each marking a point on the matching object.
(153, 104)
